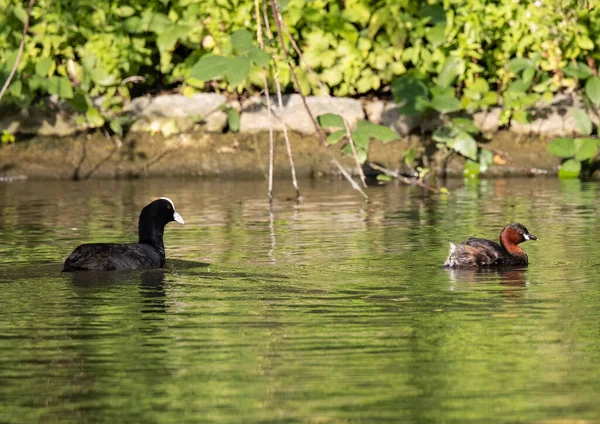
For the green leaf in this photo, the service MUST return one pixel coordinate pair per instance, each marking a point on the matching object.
(233, 120)
(582, 121)
(259, 57)
(592, 90)
(42, 66)
(445, 103)
(241, 40)
(411, 92)
(380, 132)
(238, 70)
(209, 67)
(124, 11)
(584, 42)
(116, 126)
(578, 70)
(329, 120)
(101, 77)
(570, 169)
(465, 124)
(7, 137)
(336, 136)
(437, 35)
(585, 148)
(384, 178)
(465, 145)
(60, 86)
(472, 169)
(486, 159)
(562, 147)
(20, 13)
(452, 68)
(519, 64)
(94, 118)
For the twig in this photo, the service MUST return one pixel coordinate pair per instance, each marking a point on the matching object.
(14, 68)
(403, 178)
(328, 96)
(495, 151)
(276, 16)
(266, 85)
(288, 143)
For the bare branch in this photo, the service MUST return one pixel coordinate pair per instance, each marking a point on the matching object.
(268, 97)
(328, 96)
(277, 16)
(402, 178)
(14, 68)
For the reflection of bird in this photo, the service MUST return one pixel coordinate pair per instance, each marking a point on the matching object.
(506, 276)
(476, 252)
(148, 252)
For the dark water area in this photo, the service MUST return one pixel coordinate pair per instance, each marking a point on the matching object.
(334, 311)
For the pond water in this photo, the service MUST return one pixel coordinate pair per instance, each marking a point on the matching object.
(334, 311)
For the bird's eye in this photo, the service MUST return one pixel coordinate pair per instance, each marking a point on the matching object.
(169, 207)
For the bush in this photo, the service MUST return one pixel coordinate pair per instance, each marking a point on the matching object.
(444, 55)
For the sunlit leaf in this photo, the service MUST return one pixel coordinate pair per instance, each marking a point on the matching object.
(238, 69)
(562, 147)
(592, 90)
(60, 86)
(577, 70)
(585, 148)
(241, 40)
(259, 57)
(445, 103)
(472, 169)
(379, 132)
(42, 66)
(582, 121)
(330, 120)
(233, 120)
(570, 169)
(209, 67)
(93, 117)
(336, 136)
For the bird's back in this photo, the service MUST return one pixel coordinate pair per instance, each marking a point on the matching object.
(108, 257)
(476, 252)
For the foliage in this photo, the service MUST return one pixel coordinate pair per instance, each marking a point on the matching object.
(361, 136)
(576, 151)
(458, 136)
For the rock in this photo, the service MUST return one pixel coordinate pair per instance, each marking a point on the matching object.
(53, 120)
(488, 120)
(151, 114)
(554, 119)
(255, 118)
(374, 110)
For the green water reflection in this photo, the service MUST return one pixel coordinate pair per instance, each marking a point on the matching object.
(337, 311)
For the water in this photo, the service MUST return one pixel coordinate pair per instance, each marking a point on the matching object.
(337, 312)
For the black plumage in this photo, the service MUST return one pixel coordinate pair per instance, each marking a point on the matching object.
(148, 252)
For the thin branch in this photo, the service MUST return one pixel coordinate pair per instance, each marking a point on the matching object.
(277, 16)
(266, 85)
(288, 143)
(402, 178)
(495, 151)
(287, 138)
(14, 68)
(328, 96)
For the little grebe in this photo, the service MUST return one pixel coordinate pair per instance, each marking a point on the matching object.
(482, 252)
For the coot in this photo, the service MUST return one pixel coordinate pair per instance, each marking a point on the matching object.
(148, 252)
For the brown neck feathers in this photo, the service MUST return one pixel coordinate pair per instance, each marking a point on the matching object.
(509, 239)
